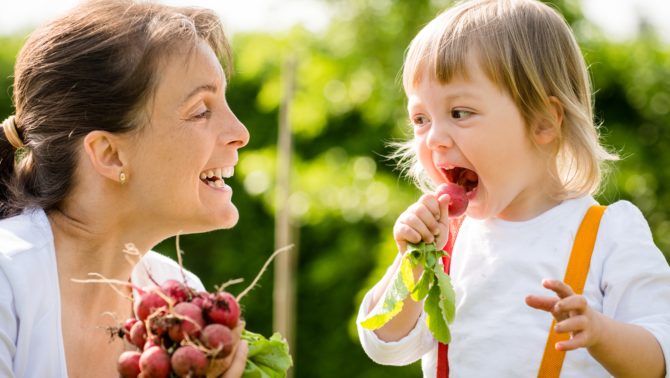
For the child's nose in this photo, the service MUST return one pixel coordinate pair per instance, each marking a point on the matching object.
(439, 137)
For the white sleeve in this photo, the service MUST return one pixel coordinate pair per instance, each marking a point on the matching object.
(405, 351)
(636, 276)
(8, 328)
(159, 268)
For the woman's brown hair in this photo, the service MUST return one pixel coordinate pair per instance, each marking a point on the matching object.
(92, 69)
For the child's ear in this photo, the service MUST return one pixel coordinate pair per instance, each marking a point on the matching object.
(548, 129)
(102, 150)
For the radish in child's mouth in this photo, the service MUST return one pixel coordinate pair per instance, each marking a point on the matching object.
(462, 184)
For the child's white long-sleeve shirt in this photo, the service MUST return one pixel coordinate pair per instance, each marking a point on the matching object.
(497, 263)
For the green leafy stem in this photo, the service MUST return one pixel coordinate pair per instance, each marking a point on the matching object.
(434, 285)
(267, 358)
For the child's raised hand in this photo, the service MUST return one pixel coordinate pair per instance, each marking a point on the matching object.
(426, 220)
(572, 314)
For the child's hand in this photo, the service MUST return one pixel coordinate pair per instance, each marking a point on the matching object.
(572, 314)
(426, 220)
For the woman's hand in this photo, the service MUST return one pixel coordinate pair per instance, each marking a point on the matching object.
(426, 220)
(572, 313)
(232, 366)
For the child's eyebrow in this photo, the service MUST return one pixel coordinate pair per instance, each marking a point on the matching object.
(461, 94)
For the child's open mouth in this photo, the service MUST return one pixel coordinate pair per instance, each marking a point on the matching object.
(214, 177)
(463, 177)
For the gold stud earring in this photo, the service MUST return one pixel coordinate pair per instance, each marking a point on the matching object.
(122, 178)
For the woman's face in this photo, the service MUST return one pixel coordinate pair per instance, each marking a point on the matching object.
(180, 161)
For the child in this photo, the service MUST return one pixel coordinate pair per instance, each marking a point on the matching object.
(499, 99)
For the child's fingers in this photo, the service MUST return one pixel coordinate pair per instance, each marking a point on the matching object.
(419, 225)
(404, 233)
(578, 340)
(430, 202)
(561, 289)
(572, 324)
(443, 202)
(541, 303)
(427, 216)
(574, 304)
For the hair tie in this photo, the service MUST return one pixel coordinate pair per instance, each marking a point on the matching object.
(9, 127)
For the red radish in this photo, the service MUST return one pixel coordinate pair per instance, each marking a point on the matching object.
(175, 332)
(194, 321)
(225, 309)
(189, 361)
(458, 201)
(127, 326)
(138, 334)
(216, 336)
(148, 302)
(151, 342)
(159, 322)
(128, 365)
(176, 290)
(155, 363)
(203, 300)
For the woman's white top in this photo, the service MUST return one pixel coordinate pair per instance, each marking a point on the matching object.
(31, 339)
(497, 263)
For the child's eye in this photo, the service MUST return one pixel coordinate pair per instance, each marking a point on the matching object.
(460, 114)
(419, 120)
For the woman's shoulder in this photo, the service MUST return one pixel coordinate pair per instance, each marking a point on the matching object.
(155, 267)
(23, 233)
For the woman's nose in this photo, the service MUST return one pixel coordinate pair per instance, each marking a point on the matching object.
(235, 133)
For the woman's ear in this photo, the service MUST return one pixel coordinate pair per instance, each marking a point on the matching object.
(102, 150)
(548, 129)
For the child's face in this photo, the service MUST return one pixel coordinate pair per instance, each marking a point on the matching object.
(471, 132)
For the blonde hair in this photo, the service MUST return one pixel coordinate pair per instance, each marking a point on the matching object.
(527, 49)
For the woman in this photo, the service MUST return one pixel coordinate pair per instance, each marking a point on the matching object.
(122, 134)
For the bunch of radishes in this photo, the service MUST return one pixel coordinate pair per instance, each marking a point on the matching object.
(178, 331)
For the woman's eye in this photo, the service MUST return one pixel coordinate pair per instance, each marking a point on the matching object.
(460, 114)
(203, 115)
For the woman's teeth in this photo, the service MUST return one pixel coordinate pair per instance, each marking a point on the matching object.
(214, 177)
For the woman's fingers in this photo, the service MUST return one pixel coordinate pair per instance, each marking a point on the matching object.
(239, 361)
(221, 365)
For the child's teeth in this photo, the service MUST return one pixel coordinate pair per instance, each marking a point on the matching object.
(217, 172)
(210, 174)
(203, 176)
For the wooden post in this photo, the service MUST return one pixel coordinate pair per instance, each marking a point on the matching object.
(284, 277)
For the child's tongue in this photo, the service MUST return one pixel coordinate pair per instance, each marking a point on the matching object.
(465, 178)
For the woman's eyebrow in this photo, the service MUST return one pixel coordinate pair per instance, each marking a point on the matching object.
(202, 88)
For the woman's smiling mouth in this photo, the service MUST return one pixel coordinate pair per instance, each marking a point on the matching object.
(214, 177)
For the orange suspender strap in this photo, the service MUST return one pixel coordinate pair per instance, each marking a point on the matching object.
(575, 276)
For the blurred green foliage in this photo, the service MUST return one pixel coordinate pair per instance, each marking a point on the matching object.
(346, 195)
